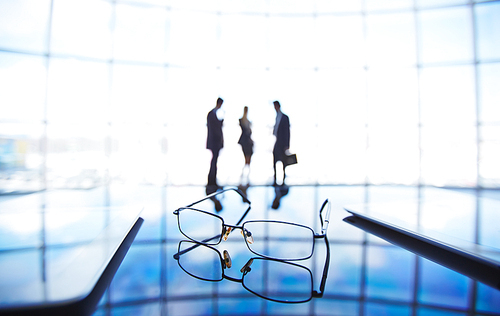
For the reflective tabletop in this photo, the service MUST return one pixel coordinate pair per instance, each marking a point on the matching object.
(60, 261)
(366, 276)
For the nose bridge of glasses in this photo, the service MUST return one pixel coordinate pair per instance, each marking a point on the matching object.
(227, 229)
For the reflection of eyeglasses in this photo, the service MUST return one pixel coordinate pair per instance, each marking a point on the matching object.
(271, 279)
(266, 238)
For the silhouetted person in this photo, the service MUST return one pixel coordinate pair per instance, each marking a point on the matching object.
(246, 141)
(282, 144)
(215, 140)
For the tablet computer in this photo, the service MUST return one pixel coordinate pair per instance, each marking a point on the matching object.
(67, 278)
(398, 222)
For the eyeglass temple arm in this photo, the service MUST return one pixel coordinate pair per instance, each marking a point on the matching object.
(245, 199)
(324, 227)
(324, 221)
(325, 271)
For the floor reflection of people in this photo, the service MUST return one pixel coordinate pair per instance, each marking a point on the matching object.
(279, 192)
(243, 188)
(215, 140)
(246, 143)
(282, 144)
(212, 189)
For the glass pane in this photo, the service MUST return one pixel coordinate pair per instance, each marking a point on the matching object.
(280, 240)
(73, 34)
(449, 155)
(393, 157)
(345, 32)
(291, 6)
(78, 92)
(279, 280)
(438, 3)
(488, 30)
(20, 74)
(200, 261)
(446, 35)
(384, 5)
(138, 94)
(489, 155)
(20, 229)
(448, 96)
(341, 121)
(138, 153)
(328, 6)
(24, 25)
(391, 39)
(76, 156)
(21, 159)
(290, 42)
(139, 33)
(489, 94)
(489, 234)
(243, 41)
(200, 226)
(192, 39)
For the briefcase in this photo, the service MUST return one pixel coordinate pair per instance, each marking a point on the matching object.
(290, 159)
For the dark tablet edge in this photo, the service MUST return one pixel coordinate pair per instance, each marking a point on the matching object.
(85, 305)
(477, 268)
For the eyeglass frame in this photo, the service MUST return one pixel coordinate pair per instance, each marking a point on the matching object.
(246, 268)
(324, 227)
(225, 231)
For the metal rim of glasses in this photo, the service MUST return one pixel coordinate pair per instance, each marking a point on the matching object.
(324, 227)
(207, 240)
(245, 270)
(227, 229)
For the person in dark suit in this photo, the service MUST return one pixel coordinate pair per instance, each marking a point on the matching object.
(282, 133)
(215, 140)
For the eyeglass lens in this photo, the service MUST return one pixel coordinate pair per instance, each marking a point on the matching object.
(200, 261)
(277, 240)
(280, 281)
(199, 226)
(276, 280)
(285, 241)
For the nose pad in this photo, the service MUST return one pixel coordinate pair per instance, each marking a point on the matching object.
(226, 233)
(227, 259)
(246, 268)
(248, 235)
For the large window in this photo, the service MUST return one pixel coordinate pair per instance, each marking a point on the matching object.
(397, 92)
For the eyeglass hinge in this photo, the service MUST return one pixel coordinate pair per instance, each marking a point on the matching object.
(317, 294)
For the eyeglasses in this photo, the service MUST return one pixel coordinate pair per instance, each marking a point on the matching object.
(267, 238)
(261, 276)
(276, 242)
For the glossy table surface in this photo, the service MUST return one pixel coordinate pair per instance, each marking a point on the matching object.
(366, 276)
(56, 261)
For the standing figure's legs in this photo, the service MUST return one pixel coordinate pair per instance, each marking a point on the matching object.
(275, 160)
(278, 156)
(212, 174)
